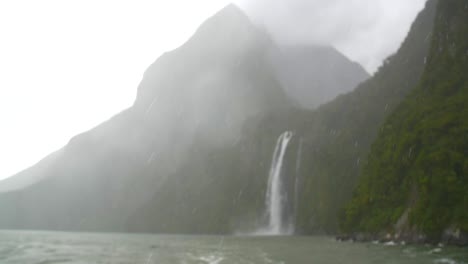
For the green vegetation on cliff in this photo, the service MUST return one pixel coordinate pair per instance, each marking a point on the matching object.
(419, 163)
(338, 136)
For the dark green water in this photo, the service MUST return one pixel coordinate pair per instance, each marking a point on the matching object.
(73, 248)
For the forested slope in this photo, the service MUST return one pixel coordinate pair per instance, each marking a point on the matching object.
(337, 137)
(418, 166)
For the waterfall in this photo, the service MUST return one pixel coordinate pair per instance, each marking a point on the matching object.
(276, 197)
(296, 182)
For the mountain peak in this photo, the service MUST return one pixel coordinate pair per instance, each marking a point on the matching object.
(231, 10)
(230, 20)
(313, 75)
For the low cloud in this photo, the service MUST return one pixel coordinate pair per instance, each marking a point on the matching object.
(367, 31)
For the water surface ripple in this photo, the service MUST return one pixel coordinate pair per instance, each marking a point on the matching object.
(25, 247)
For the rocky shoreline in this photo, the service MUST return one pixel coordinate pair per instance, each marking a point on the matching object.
(450, 237)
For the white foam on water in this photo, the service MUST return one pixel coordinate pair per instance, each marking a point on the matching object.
(212, 259)
(390, 243)
(445, 261)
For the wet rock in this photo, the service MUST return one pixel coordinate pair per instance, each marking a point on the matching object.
(454, 236)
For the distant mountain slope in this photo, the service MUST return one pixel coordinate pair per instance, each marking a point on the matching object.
(418, 165)
(29, 176)
(314, 75)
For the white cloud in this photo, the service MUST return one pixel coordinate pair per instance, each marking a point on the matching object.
(367, 31)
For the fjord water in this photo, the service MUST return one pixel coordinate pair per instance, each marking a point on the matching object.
(21, 247)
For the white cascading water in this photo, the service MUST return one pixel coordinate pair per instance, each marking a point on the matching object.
(296, 182)
(275, 194)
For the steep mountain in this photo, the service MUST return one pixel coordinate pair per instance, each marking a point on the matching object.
(337, 137)
(416, 179)
(314, 75)
(325, 155)
(202, 92)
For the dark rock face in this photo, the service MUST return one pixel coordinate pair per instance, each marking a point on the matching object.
(450, 237)
(455, 237)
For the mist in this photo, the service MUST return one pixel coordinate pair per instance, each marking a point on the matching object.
(367, 31)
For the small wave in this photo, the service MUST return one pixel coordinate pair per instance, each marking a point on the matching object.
(54, 261)
(435, 250)
(390, 243)
(212, 259)
(445, 261)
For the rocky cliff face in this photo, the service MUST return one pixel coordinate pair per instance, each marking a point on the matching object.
(337, 136)
(417, 166)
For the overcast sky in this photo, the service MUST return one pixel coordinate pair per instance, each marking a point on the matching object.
(367, 31)
(68, 65)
